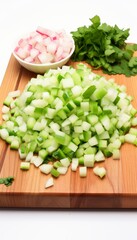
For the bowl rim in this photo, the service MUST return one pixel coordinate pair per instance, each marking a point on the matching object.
(47, 64)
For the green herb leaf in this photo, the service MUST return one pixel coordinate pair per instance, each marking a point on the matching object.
(6, 181)
(102, 45)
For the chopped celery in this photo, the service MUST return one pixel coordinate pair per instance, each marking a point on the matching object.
(83, 171)
(65, 162)
(62, 170)
(46, 168)
(68, 114)
(99, 171)
(89, 160)
(24, 165)
(49, 182)
(54, 173)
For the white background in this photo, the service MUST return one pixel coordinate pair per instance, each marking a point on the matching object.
(18, 17)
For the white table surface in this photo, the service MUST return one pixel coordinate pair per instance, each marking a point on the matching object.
(17, 17)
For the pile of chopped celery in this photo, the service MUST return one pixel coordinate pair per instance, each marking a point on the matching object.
(68, 116)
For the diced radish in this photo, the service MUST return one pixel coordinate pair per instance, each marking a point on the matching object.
(40, 47)
(59, 52)
(16, 49)
(64, 55)
(38, 38)
(32, 41)
(36, 60)
(22, 42)
(27, 47)
(61, 32)
(29, 59)
(44, 46)
(33, 34)
(45, 57)
(51, 48)
(46, 32)
(46, 41)
(34, 52)
(22, 53)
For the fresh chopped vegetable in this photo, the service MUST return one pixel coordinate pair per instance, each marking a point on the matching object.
(7, 181)
(25, 166)
(62, 170)
(46, 168)
(55, 125)
(74, 164)
(99, 171)
(49, 183)
(44, 46)
(83, 171)
(104, 46)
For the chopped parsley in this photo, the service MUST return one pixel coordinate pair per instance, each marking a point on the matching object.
(7, 181)
(104, 46)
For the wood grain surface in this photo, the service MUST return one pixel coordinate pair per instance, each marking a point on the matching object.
(117, 190)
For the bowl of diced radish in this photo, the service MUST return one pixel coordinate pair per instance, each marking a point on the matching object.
(44, 49)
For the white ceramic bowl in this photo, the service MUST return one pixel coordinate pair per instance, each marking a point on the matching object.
(42, 67)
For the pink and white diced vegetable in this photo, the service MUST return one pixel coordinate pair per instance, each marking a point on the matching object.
(44, 46)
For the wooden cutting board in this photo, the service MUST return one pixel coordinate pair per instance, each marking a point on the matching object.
(117, 190)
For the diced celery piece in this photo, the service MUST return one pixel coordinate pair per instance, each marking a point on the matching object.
(62, 114)
(4, 134)
(76, 78)
(116, 154)
(93, 141)
(15, 144)
(85, 106)
(72, 146)
(49, 183)
(81, 160)
(8, 101)
(43, 153)
(89, 91)
(62, 138)
(130, 138)
(105, 120)
(79, 152)
(25, 166)
(99, 171)
(99, 93)
(65, 162)
(92, 119)
(57, 164)
(83, 171)
(74, 164)
(62, 170)
(99, 128)
(89, 160)
(102, 144)
(46, 168)
(54, 173)
(99, 156)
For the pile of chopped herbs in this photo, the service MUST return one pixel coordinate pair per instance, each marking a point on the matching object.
(104, 46)
(7, 181)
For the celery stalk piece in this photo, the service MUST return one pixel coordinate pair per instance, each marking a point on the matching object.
(65, 162)
(89, 160)
(83, 171)
(62, 170)
(74, 164)
(99, 171)
(54, 173)
(46, 168)
(49, 182)
(25, 166)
